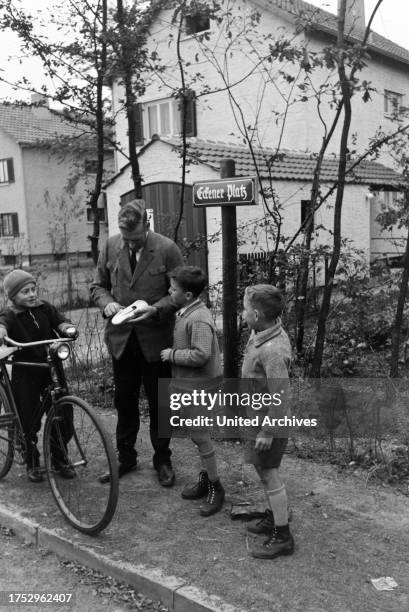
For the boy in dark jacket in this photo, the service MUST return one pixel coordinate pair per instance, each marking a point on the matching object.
(29, 319)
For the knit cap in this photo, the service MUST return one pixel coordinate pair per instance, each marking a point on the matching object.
(15, 280)
(131, 214)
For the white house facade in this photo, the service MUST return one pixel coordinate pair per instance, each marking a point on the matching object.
(220, 110)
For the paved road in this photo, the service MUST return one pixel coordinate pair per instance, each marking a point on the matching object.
(25, 569)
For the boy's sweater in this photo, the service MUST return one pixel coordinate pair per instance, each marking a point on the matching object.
(41, 322)
(268, 356)
(195, 351)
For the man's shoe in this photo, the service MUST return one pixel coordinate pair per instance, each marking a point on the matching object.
(198, 490)
(123, 469)
(166, 475)
(276, 545)
(265, 526)
(34, 475)
(66, 471)
(214, 500)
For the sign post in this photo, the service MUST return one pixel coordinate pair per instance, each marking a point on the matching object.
(230, 191)
(229, 241)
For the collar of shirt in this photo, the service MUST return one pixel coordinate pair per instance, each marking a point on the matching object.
(184, 308)
(137, 253)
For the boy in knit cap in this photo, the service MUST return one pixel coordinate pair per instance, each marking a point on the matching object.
(29, 319)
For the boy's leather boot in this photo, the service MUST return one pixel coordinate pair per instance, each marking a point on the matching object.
(279, 543)
(214, 500)
(264, 526)
(198, 490)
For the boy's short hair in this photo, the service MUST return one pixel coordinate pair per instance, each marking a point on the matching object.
(267, 299)
(190, 278)
(131, 214)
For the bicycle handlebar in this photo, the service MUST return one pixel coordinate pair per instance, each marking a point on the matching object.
(11, 342)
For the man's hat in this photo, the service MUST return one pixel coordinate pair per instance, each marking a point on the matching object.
(131, 213)
(15, 280)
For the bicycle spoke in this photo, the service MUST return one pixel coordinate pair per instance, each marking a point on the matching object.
(87, 451)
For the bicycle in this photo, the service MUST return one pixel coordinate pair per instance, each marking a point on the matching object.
(72, 430)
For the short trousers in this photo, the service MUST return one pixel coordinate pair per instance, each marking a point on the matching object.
(266, 459)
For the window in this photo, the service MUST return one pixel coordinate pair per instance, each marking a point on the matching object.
(163, 118)
(90, 166)
(100, 212)
(196, 23)
(6, 170)
(304, 209)
(392, 102)
(10, 260)
(9, 224)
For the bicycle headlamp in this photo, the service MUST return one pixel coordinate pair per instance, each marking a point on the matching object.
(63, 351)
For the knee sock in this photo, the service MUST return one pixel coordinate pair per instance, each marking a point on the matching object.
(277, 500)
(207, 456)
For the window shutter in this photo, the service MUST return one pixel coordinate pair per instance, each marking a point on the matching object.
(10, 170)
(190, 113)
(138, 120)
(14, 221)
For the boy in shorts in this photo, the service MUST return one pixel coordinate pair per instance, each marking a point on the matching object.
(267, 357)
(195, 355)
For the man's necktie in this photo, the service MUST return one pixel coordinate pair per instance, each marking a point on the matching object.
(132, 259)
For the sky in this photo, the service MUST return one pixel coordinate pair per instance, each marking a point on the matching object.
(391, 21)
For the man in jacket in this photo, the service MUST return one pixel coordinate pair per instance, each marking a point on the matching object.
(134, 265)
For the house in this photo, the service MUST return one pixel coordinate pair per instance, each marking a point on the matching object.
(44, 184)
(230, 96)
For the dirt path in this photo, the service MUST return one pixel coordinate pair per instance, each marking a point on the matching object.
(346, 533)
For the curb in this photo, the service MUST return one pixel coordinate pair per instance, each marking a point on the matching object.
(174, 593)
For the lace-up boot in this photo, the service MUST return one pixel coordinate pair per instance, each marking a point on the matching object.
(264, 526)
(281, 542)
(198, 490)
(214, 500)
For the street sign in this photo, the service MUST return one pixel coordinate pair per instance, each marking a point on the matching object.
(225, 192)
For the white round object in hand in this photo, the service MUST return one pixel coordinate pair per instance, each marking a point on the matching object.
(134, 309)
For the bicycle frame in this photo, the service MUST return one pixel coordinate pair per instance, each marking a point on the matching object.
(58, 387)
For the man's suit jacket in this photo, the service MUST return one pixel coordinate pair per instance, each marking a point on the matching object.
(114, 282)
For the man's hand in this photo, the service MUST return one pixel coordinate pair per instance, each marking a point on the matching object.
(263, 442)
(166, 354)
(111, 309)
(3, 334)
(146, 314)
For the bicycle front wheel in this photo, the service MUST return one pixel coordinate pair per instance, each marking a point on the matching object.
(7, 432)
(77, 451)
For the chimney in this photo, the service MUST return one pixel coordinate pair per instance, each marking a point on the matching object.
(354, 16)
(39, 100)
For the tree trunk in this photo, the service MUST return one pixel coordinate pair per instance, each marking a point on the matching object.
(99, 122)
(126, 64)
(329, 284)
(403, 289)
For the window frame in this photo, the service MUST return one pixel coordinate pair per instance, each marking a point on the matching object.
(388, 97)
(102, 213)
(190, 20)
(12, 223)
(7, 170)
(174, 117)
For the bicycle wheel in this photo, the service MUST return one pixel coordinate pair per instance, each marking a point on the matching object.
(74, 437)
(7, 433)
